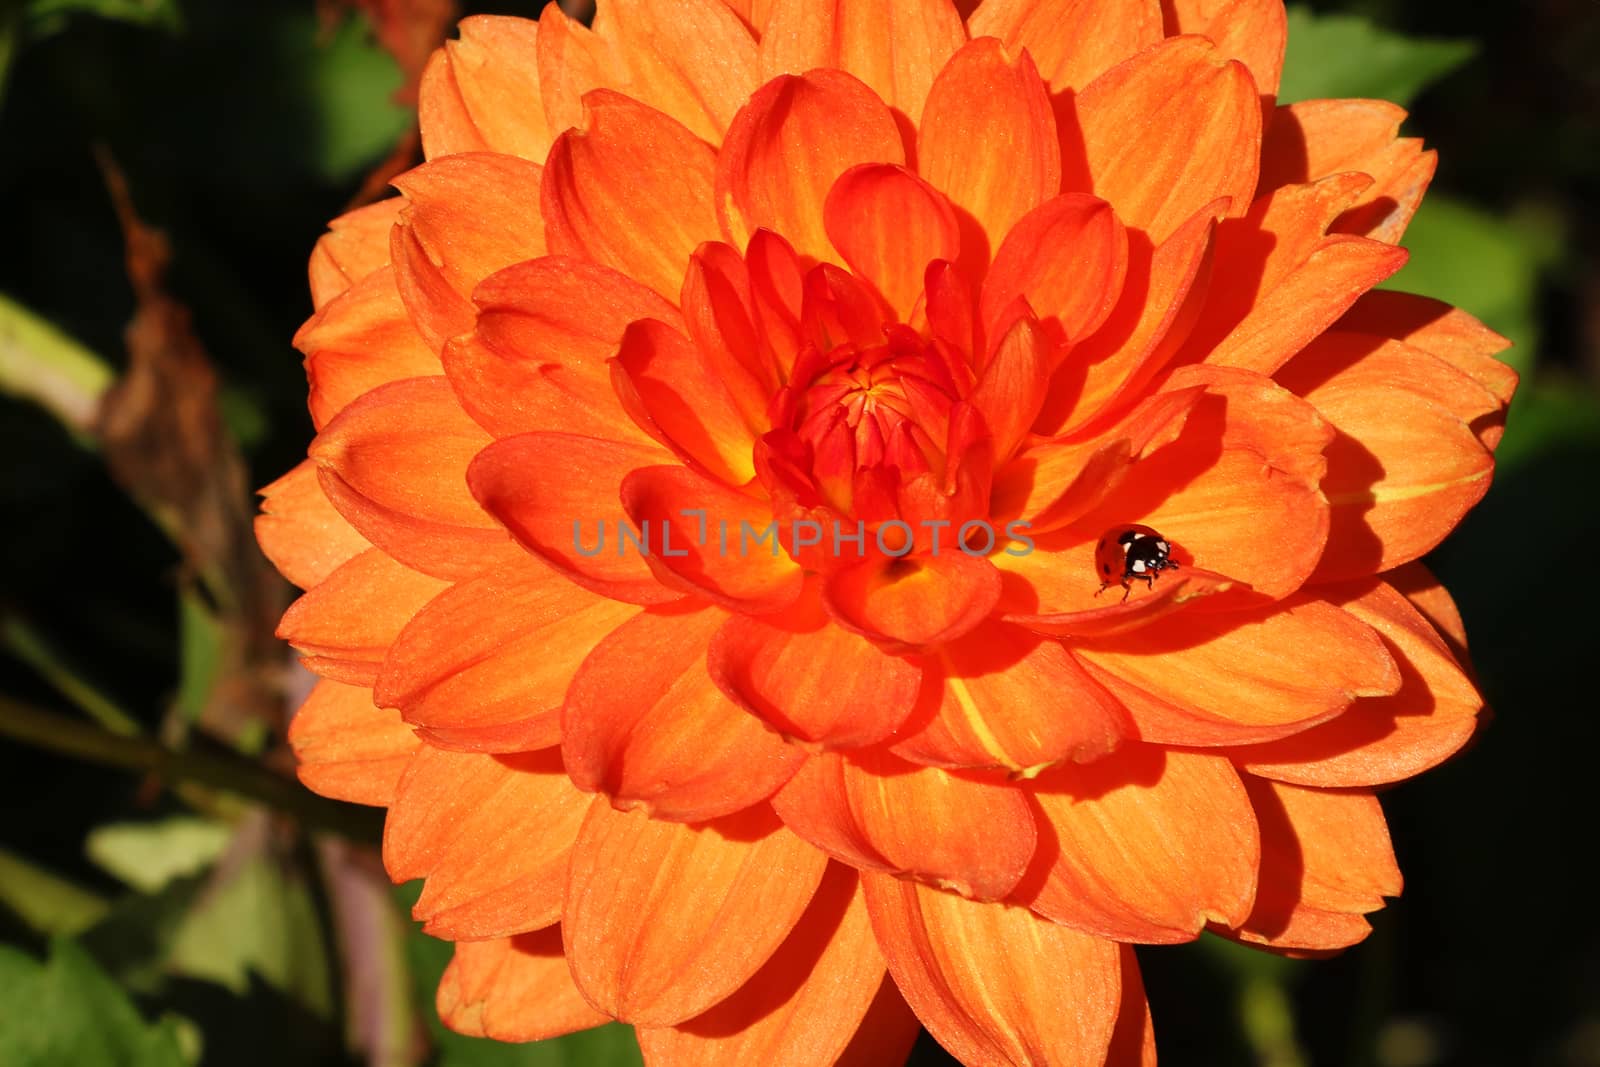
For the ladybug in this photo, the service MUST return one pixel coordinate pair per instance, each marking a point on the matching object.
(1131, 552)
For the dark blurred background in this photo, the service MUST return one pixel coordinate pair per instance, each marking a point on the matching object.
(167, 909)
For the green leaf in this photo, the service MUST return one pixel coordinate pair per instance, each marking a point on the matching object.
(613, 1045)
(1346, 55)
(200, 645)
(350, 82)
(49, 16)
(244, 414)
(150, 855)
(1481, 263)
(67, 1011)
(256, 916)
(134, 939)
(1548, 416)
(45, 901)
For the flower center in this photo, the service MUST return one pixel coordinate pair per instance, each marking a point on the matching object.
(869, 419)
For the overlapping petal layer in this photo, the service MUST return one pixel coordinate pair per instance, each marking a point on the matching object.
(721, 442)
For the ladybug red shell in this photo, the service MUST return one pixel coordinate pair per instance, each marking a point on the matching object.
(1128, 553)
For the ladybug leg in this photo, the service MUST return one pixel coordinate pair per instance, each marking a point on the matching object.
(1127, 587)
(1103, 587)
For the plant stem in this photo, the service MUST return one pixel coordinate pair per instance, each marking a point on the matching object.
(232, 774)
(39, 362)
(22, 641)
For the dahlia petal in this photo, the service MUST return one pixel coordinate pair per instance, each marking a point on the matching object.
(356, 244)
(1418, 585)
(811, 680)
(466, 217)
(481, 93)
(786, 149)
(753, 13)
(1053, 590)
(344, 625)
(511, 393)
(949, 306)
(485, 665)
(1067, 258)
(1325, 861)
(1384, 215)
(1406, 465)
(1446, 332)
(777, 294)
(1072, 41)
(1299, 280)
(804, 1006)
(695, 62)
(572, 61)
(1302, 931)
(645, 724)
(889, 224)
(1011, 389)
(836, 307)
(914, 600)
(538, 358)
(513, 989)
(1133, 1041)
(1265, 248)
(490, 834)
(551, 489)
(887, 1034)
(1312, 139)
(360, 340)
(395, 462)
(697, 537)
(877, 812)
(1243, 471)
(664, 920)
(896, 49)
(1255, 412)
(445, 123)
(630, 189)
(437, 311)
(995, 984)
(301, 532)
(1003, 697)
(347, 748)
(1381, 739)
(679, 397)
(1144, 845)
(1161, 296)
(1241, 677)
(719, 313)
(1165, 133)
(1255, 32)
(1054, 483)
(988, 140)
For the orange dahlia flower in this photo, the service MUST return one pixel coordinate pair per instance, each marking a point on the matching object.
(722, 442)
